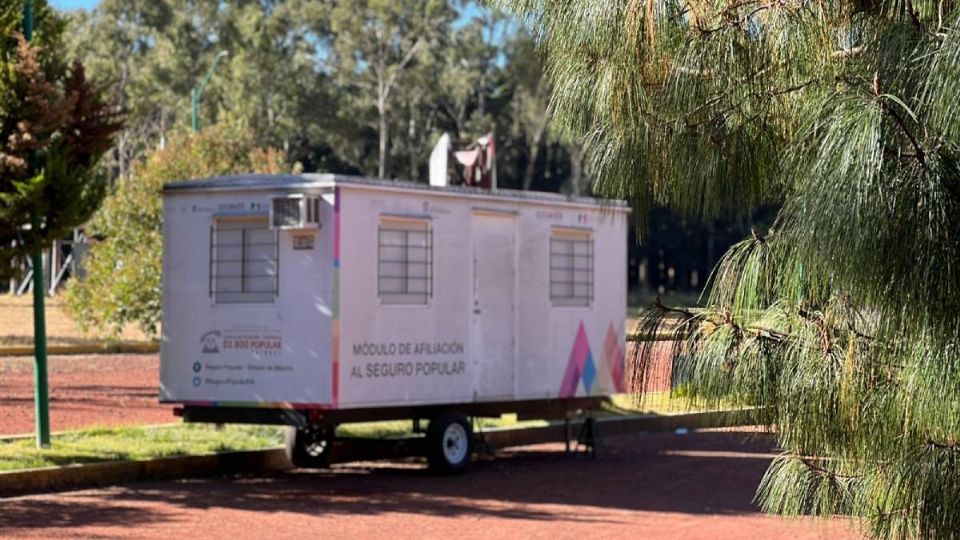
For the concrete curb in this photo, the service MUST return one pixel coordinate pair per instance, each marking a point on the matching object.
(82, 476)
(119, 472)
(137, 347)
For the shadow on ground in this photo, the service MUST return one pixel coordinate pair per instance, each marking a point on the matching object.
(700, 473)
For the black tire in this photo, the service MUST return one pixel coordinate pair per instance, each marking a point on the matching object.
(449, 443)
(309, 447)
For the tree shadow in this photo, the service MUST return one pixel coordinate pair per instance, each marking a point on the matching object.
(699, 473)
(65, 514)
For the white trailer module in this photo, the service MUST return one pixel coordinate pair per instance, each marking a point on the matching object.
(313, 300)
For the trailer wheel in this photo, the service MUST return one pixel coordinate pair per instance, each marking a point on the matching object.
(309, 447)
(449, 443)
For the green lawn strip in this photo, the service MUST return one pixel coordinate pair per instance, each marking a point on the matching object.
(660, 403)
(131, 443)
(403, 428)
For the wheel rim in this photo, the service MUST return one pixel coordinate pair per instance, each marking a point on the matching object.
(455, 443)
(314, 442)
(316, 449)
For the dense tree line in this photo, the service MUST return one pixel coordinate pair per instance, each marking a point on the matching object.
(359, 87)
(362, 87)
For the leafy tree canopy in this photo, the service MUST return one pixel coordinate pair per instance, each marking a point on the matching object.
(121, 283)
(349, 87)
(54, 127)
(841, 320)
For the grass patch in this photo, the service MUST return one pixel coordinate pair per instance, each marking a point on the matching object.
(16, 325)
(130, 443)
(388, 429)
(402, 428)
(662, 403)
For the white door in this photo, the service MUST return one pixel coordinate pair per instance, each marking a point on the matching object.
(494, 292)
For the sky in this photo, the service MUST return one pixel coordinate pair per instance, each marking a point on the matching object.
(74, 4)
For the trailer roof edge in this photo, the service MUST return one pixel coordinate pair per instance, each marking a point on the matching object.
(290, 182)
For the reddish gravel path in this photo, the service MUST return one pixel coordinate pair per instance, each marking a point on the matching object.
(105, 390)
(114, 390)
(649, 486)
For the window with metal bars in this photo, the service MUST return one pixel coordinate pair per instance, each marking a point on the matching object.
(404, 261)
(244, 262)
(571, 267)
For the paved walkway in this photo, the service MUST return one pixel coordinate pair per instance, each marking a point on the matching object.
(644, 486)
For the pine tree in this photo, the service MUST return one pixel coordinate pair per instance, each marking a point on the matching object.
(841, 321)
(54, 127)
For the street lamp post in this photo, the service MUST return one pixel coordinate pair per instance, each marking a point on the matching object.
(198, 91)
(40, 392)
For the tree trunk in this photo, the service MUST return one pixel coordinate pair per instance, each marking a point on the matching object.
(534, 155)
(382, 166)
(576, 169)
(412, 136)
(482, 107)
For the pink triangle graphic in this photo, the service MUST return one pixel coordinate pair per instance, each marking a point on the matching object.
(614, 359)
(578, 359)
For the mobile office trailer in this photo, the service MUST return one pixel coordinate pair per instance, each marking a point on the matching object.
(314, 300)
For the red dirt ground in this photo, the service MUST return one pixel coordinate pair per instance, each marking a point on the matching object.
(117, 390)
(104, 390)
(644, 486)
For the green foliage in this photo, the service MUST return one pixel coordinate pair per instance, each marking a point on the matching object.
(376, 44)
(333, 84)
(841, 321)
(131, 443)
(54, 127)
(121, 283)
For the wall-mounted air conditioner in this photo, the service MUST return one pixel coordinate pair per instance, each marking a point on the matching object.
(295, 212)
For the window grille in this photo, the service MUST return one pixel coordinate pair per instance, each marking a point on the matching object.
(571, 268)
(405, 261)
(244, 262)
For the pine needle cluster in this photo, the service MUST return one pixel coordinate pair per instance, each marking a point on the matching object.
(54, 127)
(842, 320)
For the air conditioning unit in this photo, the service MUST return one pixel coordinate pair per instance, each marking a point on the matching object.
(295, 212)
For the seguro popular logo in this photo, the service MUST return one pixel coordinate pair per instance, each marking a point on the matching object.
(210, 342)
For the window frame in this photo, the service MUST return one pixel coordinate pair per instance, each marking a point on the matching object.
(407, 296)
(573, 237)
(259, 223)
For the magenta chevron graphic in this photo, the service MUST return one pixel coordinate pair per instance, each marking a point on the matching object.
(579, 367)
(614, 359)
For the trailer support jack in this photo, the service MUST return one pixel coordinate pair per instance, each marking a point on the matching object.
(587, 439)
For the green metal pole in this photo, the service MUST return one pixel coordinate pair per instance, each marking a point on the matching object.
(40, 393)
(28, 20)
(198, 91)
